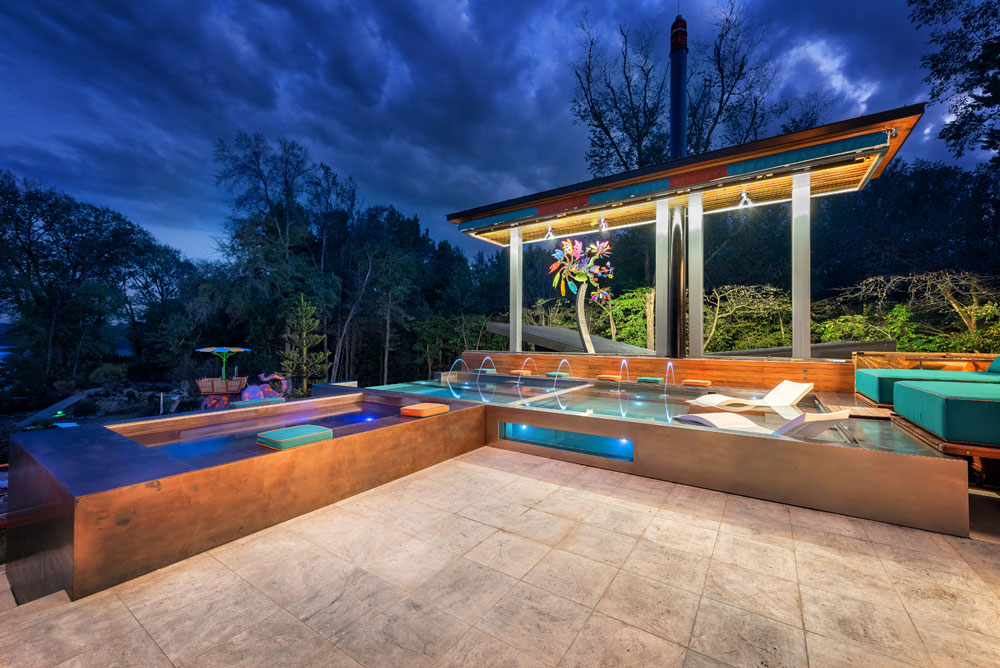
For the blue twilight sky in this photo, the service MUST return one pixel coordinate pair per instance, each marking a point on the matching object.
(434, 105)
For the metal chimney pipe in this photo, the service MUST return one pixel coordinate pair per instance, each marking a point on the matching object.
(678, 88)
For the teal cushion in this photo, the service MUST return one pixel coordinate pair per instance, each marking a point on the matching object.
(877, 384)
(994, 366)
(957, 412)
(557, 374)
(649, 379)
(257, 402)
(290, 437)
(485, 370)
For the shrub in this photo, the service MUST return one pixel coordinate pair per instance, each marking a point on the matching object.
(109, 375)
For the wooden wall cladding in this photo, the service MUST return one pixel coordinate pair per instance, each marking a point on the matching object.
(826, 375)
(946, 361)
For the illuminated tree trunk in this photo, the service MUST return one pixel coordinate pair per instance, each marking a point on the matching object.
(581, 318)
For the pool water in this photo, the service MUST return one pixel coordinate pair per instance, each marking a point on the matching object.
(656, 403)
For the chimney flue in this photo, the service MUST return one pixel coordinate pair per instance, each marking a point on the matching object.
(678, 88)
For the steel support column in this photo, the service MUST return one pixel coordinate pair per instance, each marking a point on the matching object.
(671, 232)
(801, 300)
(516, 270)
(696, 276)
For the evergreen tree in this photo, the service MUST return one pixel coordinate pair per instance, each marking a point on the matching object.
(297, 361)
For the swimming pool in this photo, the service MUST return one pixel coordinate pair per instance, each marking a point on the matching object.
(639, 402)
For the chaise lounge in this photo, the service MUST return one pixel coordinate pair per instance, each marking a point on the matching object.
(877, 384)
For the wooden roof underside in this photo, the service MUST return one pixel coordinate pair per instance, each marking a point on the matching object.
(841, 157)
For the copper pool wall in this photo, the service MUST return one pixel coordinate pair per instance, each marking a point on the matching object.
(926, 492)
(98, 508)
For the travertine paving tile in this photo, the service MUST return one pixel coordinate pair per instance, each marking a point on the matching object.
(478, 650)
(571, 576)
(132, 649)
(972, 611)
(411, 564)
(743, 638)
(495, 512)
(407, 633)
(683, 570)
(465, 589)
(254, 554)
(525, 491)
(6, 600)
(543, 527)
(279, 640)
(443, 497)
(338, 604)
(325, 525)
(507, 553)
(760, 529)
(33, 612)
(291, 579)
(457, 534)
(658, 608)
(413, 517)
(755, 592)
(536, 622)
(174, 587)
(619, 519)
(856, 550)
(828, 522)
(706, 518)
(598, 544)
(904, 564)
(696, 660)
(364, 543)
(846, 578)
(568, 503)
(951, 647)
(186, 632)
(761, 557)
(608, 643)
(911, 539)
(745, 506)
(839, 653)
(681, 536)
(984, 558)
(887, 631)
(70, 631)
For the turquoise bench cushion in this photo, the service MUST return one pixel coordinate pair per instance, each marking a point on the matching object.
(877, 384)
(957, 412)
(485, 370)
(649, 379)
(557, 374)
(290, 437)
(994, 366)
(257, 402)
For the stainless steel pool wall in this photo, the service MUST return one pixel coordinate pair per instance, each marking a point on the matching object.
(925, 492)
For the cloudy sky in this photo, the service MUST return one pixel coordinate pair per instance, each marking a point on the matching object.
(434, 105)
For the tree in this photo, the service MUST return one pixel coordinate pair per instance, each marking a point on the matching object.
(298, 361)
(621, 99)
(965, 69)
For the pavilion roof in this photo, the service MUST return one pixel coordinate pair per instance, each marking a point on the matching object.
(841, 157)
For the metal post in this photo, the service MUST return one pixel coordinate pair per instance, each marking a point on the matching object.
(696, 276)
(678, 281)
(662, 280)
(801, 301)
(516, 264)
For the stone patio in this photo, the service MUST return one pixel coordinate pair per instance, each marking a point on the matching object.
(503, 559)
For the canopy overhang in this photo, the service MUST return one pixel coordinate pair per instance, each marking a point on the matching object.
(840, 157)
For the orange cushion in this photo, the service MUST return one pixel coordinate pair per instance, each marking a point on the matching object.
(520, 372)
(608, 376)
(423, 410)
(695, 381)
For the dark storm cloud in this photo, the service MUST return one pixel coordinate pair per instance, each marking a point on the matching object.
(433, 106)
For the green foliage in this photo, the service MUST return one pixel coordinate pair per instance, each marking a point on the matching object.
(109, 375)
(628, 312)
(298, 361)
(963, 70)
(86, 407)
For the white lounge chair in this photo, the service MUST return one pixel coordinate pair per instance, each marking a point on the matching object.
(786, 393)
(806, 425)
